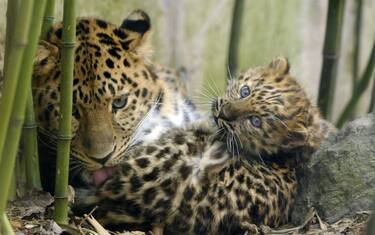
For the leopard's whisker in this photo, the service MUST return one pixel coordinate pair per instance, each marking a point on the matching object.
(136, 135)
(230, 73)
(208, 89)
(260, 157)
(205, 93)
(203, 97)
(215, 87)
(239, 141)
(236, 144)
(211, 85)
(282, 122)
(211, 88)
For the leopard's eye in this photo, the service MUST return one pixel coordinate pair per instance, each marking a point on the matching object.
(255, 121)
(244, 91)
(76, 112)
(119, 102)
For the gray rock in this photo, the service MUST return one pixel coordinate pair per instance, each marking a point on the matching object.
(339, 179)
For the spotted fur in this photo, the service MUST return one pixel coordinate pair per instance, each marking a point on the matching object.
(226, 178)
(120, 98)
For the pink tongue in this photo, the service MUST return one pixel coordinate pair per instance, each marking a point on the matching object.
(99, 176)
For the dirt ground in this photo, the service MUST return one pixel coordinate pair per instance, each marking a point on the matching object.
(33, 215)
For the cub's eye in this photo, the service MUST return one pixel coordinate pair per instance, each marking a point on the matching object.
(255, 121)
(120, 102)
(244, 91)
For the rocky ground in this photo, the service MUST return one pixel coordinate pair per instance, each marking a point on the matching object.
(33, 215)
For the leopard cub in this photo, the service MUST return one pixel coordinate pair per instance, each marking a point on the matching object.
(226, 175)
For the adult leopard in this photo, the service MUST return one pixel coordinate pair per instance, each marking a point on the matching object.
(120, 98)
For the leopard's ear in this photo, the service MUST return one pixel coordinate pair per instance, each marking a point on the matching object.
(280, 64)
(138, 28)
(46, 58)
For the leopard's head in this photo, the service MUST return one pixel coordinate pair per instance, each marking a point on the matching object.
(113, 87)
(266, 111)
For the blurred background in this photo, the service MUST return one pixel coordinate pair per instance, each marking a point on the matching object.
(194, 35)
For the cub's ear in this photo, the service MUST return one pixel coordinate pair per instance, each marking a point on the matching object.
(138, 28)
(46, 58)
(280, 64)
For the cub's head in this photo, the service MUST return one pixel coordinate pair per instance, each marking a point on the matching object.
(113, 87)
(265, 111)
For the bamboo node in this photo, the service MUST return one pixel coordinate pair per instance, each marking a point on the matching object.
(68, 44)
(64, 137)
(331, 56)
(29, 126)
(22, 44)
(16, 121)
(49, 18)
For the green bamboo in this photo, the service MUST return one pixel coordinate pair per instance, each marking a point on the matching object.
(19, 176)
(370, 228)
(30, 146)
(5, 227)
(11, 16)
(48, 18)
(13, 188)
(361, 87)
(330, 56)
(63, 145)
(30, 132)
(16, 55)
(13, 57)
(372, 102)
(33, 29)
(357, 43)
(234, 39)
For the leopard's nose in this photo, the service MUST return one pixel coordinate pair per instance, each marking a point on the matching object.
(225, 114)
(220, 110)
(103, 160)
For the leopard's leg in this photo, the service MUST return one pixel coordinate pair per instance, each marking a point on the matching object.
(250, 228)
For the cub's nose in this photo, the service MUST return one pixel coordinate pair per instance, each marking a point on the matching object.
(225, 113)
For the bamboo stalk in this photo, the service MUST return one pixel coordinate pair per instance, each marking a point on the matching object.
(370, 227)
(19, 177)
(48, 18)
(63, 145)
(357, 43)
(330, 56)
(13, 59)
(8, 104)
(30, 133)
(13, 188)
(30, 145)
(372, 103)
(11, 16)
(5, 227)
(23, 87)
(361, 87)
(234, 39)
(356, 48)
